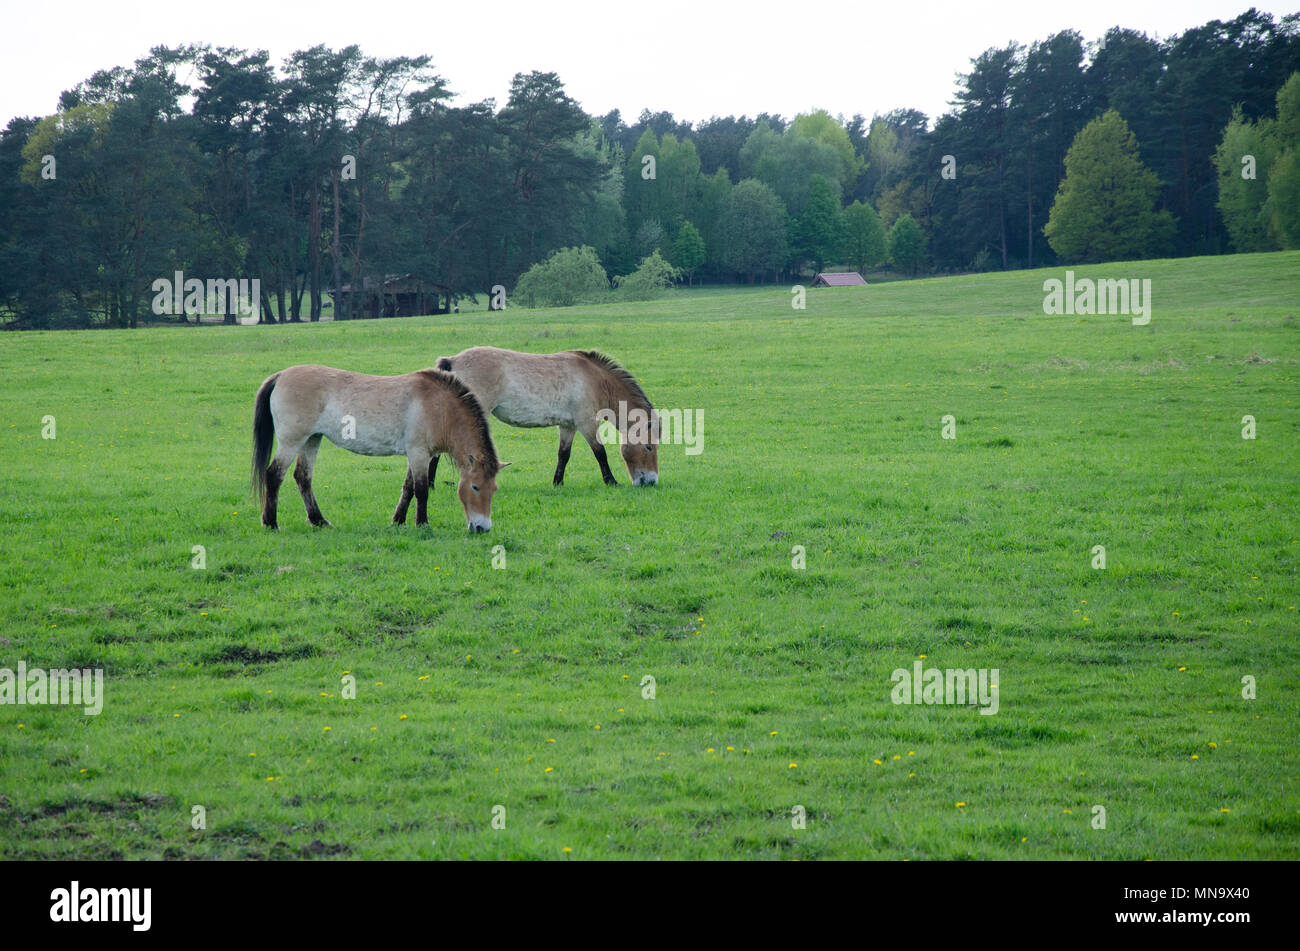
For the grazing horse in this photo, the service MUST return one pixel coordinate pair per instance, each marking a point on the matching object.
(418, 415)
(567, 390)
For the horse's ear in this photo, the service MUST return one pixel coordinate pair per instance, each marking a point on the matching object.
(501, 465)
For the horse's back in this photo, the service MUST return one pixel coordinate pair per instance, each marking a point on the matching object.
(525, 389)
(362, 412)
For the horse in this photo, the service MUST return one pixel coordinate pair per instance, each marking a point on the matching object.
(418, 415)
(571, 390)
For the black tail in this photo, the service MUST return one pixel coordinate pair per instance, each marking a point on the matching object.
(444, 364)
(263, 434)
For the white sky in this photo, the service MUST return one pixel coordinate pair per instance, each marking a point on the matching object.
(691, 58)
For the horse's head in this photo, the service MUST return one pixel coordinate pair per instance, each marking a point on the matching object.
(478, 483)
(641, 447)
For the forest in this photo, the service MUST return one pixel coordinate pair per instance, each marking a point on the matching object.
(334, 170)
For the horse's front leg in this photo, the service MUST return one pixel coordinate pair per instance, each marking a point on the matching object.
(420, 465)
(598, 450)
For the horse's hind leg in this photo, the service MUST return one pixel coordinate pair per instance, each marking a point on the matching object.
(408, 489)
(275, 472)
(302, 475)
(562, 457)
(592, 435)
(274, 476)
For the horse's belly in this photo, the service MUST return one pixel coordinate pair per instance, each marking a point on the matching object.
(529, 415)
(364, 437)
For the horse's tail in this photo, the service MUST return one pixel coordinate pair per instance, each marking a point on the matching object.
(444, 364)
(263, 434)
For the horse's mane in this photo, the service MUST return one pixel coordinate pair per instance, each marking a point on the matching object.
(618, 371)
(471, 403)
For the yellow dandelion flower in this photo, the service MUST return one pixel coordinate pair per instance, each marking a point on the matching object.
(794, 765)
(1213, 745)
(960, 805)
(402, 717)
(877, 762)
(1194, 756)
(567, 849)
(550, 769)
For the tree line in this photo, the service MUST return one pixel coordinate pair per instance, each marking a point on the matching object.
(336, 170)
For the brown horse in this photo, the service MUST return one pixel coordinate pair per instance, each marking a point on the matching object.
(418, 415)
(573, 390)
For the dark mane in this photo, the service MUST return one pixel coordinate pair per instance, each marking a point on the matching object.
(618, 371)
(471, 403)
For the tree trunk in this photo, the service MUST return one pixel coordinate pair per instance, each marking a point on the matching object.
(340, 313)
(313, 244)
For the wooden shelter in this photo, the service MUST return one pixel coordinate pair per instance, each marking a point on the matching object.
(400, 295)
(839, 279)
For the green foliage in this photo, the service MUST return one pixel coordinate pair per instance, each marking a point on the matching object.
(1105, 206)
(569, 276)
(754, 230)
(1283, 206)
(906, 244)
(822, 127)
(865, 241)
(649, 280)
(688, 251)
(1241, 199)
(819, 230)
(787, 163)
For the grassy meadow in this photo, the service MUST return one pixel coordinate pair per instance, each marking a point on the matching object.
(520, 687)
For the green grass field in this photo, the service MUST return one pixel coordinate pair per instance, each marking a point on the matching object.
(520, 687)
